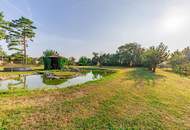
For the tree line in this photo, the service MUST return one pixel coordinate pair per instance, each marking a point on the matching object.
(134, 55)
(17, 33)
(130, 55)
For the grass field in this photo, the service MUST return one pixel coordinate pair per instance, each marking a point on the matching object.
(126, 100)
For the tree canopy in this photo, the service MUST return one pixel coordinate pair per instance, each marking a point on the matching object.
(47, 53)
(84, 61)
(130, 54)
(180, 61)
(155, 55)
(3, 26)
(20, 32)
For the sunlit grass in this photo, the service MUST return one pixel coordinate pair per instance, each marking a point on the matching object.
(129, 99)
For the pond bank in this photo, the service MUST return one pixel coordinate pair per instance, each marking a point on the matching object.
(51, 79)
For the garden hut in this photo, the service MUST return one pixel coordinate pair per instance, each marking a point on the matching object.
(54, 62)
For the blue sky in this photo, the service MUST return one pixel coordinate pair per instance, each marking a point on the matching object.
(79, 27)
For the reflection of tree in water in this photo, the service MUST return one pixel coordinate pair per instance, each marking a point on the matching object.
(100, 73)
(52, 81)
(96, 74)
(20, 84)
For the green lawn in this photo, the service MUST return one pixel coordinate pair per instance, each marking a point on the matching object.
(126, 100)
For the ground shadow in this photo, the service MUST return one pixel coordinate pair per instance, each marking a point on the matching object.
(183, 75)
(142, 76)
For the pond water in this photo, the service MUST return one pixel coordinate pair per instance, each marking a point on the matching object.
(32, 82)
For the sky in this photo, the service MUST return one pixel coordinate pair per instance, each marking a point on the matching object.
(80, 27)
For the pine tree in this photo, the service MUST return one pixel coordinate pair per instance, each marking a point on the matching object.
(20, 32)
(3, 24)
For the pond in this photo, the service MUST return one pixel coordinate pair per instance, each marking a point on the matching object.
(32, 82)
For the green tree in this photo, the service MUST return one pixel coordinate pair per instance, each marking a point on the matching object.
(71, 61)
(16, 57)
(180, 61)
(176, 61)
(155, 55)
(47, 53)
(113, 59)
(130, 54)
(109, 59)
(84, 61)
(2, 53)
(3, 26)
(20, 32)
(95, 58)
(186, 53)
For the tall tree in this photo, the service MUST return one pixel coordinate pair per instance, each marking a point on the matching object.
(155, 55)
(20, 32)
(71, 61)
(2, 53)
(180, 61)
(84, 61)
(186, 53)
(109, 59)
(177, 59)
(130, 54)
(3, 26)
(95, 58)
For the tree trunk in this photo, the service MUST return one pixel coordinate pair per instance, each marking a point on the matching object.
(150, 68)
(2, 59)
(24, 82)
(154, 69)
(24, 44)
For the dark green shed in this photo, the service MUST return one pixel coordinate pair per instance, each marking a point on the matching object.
(54, 62)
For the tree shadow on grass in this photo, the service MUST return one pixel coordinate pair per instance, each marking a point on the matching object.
(177, 73)
(142, 76)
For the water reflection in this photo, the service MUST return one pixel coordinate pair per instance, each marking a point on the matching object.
(49, 81)
(40, 82)
(20, 82)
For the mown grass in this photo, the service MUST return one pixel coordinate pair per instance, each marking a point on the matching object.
(130, 99)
